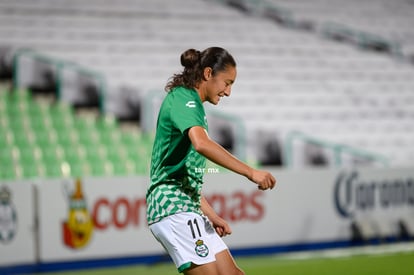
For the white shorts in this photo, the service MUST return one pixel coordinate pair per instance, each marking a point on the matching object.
(188, 238)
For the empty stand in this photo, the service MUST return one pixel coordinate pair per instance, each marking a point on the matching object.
(42, 140)
(289, 78)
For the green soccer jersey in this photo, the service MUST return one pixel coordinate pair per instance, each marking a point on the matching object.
(176, 168)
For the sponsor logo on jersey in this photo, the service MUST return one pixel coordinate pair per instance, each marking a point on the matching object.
(190, 104)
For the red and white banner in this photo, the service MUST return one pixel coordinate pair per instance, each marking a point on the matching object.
(314, 206)
(99, 218)
(93, 218)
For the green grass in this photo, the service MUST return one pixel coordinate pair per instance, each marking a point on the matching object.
(396, 263)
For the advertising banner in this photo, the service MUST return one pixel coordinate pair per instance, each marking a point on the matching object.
(17, 224)
(300, 209)
(93, 218)
(102, 218)
(314, 206)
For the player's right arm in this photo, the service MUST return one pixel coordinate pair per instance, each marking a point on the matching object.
(217, 154)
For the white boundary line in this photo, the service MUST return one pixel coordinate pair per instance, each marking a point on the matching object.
(348, 252)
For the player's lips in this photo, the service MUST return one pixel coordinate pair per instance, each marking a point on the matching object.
(219, 96)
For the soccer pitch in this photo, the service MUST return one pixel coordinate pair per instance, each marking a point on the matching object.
(377, 260)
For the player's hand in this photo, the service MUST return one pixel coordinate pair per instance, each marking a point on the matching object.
(221, 226)
(263, 179)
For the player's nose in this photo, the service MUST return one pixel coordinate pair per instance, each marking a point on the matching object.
(227, 91)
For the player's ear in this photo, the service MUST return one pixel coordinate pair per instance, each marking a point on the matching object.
(207, 73)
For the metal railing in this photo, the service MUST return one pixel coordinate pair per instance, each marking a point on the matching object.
(60, 66)
(337, 149)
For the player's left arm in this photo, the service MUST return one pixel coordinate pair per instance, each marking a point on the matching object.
(220, 225)
(217, 154)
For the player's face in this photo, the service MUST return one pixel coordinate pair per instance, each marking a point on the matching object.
(220, 85)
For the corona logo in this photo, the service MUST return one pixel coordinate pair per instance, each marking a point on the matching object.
(353, 195)
(78, 228)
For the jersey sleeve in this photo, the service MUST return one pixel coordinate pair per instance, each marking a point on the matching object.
(188, 112)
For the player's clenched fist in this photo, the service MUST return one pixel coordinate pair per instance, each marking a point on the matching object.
(263, 179)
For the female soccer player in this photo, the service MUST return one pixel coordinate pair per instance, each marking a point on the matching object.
(179, 217)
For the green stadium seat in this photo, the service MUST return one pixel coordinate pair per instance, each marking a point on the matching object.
(108, 132)
(7, 171)
(142, 167)
(61, 125)
(50, 158)
(66, 137)
(94, 153)
(22, 96)
(61, 111)
(61, 119)
(12, 109)
(37, 110)
(106, 123)
(84, 124)
(50, 153)
(28, 155)
(44, 138)
(6, 137)
(4, 119)
(131, 167)
(147, 140)
(119, 168)
(3, 101)
(136, 156)
(88, 138)
(53, 169)
(109, 139)
(39, 123)
(23, 138)
(6, 156)
(18, 124)
(72, 155)
(30, 170)
(115, 154)
(80, 169)
(101, 168)
(130, 140)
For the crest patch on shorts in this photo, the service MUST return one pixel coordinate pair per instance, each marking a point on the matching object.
(201, 249)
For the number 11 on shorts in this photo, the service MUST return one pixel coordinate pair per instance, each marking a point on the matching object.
(191, 224)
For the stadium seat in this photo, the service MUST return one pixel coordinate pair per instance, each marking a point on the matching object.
(119, 168)
(51, 154)
(7, 172)
(115, 153)
(80, 169)
(98, 168)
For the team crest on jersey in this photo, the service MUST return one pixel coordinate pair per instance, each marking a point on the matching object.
(201, 249)
(8, 216)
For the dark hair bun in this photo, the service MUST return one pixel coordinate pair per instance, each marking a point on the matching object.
(190, 58)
